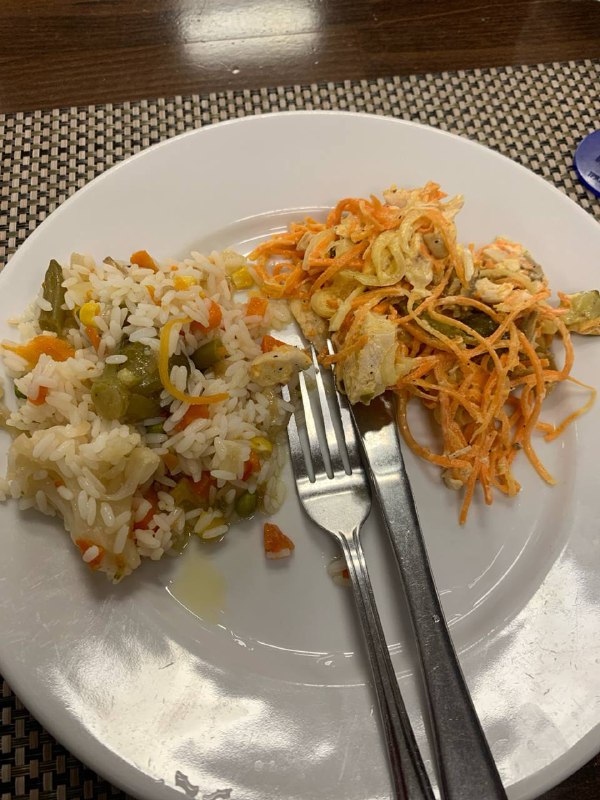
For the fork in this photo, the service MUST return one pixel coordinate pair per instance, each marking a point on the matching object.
(334, 492)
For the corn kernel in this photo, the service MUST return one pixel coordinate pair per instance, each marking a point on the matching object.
(87, 312)
(261, 445)
(183, 282)
(242, 279)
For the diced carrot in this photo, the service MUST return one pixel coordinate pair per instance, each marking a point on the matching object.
(52, 346)
(41, 396)
(215, 315)
(251, 465)
(170, 461)
(202, 487)
(152, 498)
(150, 290)
(193, 412)
(142, 258)
(269, 343)
(277, 544)
(93, 336)
(84, 545)
(257, 307)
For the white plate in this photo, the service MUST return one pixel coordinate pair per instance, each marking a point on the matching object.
(263, 692)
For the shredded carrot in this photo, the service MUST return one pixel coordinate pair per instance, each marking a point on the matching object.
(164, 372)
(482, 378)
(554, 432)
(57, 349)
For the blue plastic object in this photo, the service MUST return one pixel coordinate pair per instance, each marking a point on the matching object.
(587, 162)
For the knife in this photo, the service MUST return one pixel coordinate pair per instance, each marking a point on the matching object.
(465, 763)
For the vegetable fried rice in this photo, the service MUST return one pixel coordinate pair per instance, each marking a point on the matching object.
(149, 406)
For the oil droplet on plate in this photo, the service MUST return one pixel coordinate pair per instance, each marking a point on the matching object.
(199, 586)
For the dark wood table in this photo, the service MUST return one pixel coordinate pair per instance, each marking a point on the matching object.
(71, 52)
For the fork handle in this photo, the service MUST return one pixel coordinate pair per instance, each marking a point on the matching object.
(409, 777)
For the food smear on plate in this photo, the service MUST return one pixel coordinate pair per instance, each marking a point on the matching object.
(148, 403)
(467, 330)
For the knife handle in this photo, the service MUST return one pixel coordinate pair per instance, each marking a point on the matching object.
(466, 767)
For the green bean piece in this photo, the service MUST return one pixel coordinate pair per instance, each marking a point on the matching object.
(110, 399)
(141, 407)
(209, 354)
(54, 292)
(481, 323)
(140, 372)
(183, 494)
(245, 504)
(179, 360)
(19, 393)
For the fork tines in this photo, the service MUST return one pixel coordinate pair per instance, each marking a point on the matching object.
(321, 431)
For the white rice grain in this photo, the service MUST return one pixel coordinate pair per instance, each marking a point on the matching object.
(91, 511)
(143, 508)
(123, 519)
(107, 515)
(91, 553)
(213, 533)
(82, 504)
(65, 493)
(142, 333)
(121, 539)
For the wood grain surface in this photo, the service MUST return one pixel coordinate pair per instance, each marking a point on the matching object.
(71, 52)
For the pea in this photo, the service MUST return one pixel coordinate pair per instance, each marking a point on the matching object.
(245, 504)
(209, 353)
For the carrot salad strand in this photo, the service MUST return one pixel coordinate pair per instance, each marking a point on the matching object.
(473, 326)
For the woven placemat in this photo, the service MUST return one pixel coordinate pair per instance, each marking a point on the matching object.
(535, 115)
